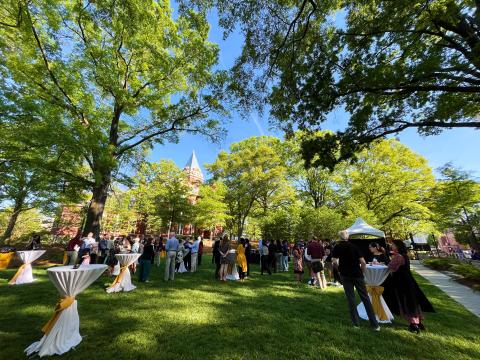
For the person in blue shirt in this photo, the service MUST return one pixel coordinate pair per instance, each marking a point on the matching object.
(194, 254)
(171, 247)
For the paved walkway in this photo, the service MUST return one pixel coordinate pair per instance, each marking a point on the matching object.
(458, 292)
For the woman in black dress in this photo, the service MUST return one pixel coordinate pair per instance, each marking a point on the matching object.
(405, 296)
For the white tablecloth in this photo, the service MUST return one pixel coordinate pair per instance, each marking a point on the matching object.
(27, 257)
(65, 332)
(375, 275)
(182, 269)
(125, 283)
(233, 275)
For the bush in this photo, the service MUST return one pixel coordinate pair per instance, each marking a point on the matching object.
(468, 271)
(440, 264)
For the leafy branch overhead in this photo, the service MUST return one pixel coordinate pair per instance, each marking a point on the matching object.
(391, 65)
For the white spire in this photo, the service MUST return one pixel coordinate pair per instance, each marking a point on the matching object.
(193, 162)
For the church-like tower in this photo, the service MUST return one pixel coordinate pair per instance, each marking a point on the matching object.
(194, 175)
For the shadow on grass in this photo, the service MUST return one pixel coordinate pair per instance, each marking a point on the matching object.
(195, 317)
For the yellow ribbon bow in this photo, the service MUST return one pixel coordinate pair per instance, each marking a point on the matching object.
(119, 277)
(19, 272)
(62, 304)
(375, 292)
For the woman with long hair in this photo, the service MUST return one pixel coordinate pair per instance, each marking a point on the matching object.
(379, 253)
(407, 299)
(241, 259)
(223, 250)
(298, 263)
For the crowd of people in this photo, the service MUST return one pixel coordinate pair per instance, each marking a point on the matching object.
(87, 250)
(335, 263)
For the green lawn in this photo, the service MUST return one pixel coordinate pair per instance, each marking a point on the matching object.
(196, 317)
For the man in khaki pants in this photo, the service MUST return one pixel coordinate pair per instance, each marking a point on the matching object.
(171, 247)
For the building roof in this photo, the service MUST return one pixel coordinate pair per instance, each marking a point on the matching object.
(192, 164)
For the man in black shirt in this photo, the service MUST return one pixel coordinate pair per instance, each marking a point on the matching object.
(351, 264)
(216, 258)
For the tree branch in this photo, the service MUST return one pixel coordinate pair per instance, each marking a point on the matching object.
(172, 128)
(50, 72)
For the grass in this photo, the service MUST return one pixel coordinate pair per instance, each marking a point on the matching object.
(196, 317)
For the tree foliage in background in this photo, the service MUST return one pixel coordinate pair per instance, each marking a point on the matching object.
(456, 204)
(211, 209)
(27, 222)
(316, 186)
(112, 78)
(391, 65)
(120, 215)
(162, 194)
(392, 183)
(253, 172)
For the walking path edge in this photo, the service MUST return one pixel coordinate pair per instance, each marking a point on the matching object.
(458, 292)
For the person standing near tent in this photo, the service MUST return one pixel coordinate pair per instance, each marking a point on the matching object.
(409, 299)
(351, 264)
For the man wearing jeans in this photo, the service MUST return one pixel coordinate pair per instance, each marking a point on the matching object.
(171, 247)
(351, 265)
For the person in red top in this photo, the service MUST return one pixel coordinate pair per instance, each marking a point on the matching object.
(316, 252)
(72, 249)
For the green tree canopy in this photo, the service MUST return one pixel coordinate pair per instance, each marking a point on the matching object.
(253, 173)
(112, 77)
(393, 184)
(211, 208)
(163, 193)
(391, 65)
(456, 204)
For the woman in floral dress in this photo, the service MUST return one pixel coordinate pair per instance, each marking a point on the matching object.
(298, 263)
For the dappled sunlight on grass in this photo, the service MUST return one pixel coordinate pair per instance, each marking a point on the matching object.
(196, 317)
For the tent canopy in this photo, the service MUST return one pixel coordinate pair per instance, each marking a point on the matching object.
(360, 227)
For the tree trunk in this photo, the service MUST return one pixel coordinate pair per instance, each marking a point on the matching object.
(96, 207)
(17, 209)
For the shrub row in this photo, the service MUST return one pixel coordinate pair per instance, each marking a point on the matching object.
(468, 271)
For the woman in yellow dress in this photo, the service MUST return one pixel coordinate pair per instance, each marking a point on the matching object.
(241, 259)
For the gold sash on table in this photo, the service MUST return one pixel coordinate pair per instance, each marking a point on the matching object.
(376, 292)
(119, 277)
(62, 304)
(65, 258)
(19, 272)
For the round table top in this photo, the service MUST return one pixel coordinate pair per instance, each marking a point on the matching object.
(69, 268)
(127, 259)
(377, 267)
(31, 251)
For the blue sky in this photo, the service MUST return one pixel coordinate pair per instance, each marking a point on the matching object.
(459, 146)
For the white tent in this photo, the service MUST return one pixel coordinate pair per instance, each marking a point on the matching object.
(360, 227)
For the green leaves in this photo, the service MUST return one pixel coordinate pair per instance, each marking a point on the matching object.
(391, 65)
(107, 80)
(455, 203)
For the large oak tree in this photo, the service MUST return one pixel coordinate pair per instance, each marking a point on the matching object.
(112, 77)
